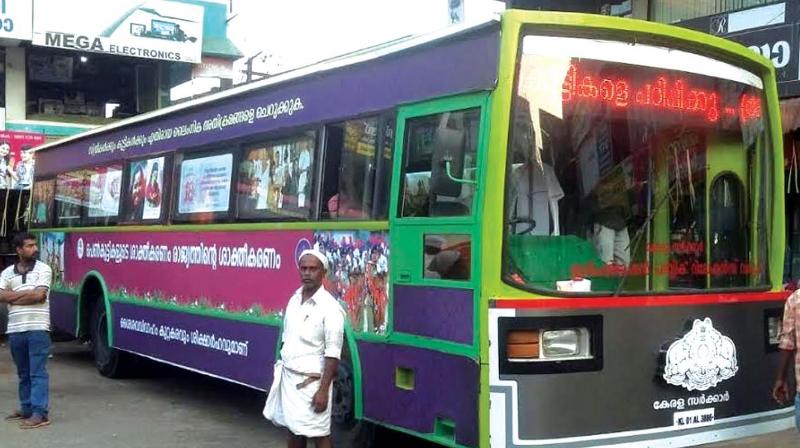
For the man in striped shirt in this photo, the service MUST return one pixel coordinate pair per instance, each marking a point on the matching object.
(25, 287)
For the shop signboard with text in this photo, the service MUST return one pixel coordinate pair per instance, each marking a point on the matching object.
(155, 29)
(771, 30)
(16, 19)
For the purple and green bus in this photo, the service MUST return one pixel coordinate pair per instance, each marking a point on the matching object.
(546, 230)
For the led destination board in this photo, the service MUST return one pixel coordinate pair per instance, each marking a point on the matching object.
(667, 92)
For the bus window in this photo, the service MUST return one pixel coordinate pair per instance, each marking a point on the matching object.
(146, 190)
(105, 187)
(42, 203)
(350, 164)
(70, 197)
(424, 195)
(610, 174)
(204, 186)
(275, 179)
(447, 256)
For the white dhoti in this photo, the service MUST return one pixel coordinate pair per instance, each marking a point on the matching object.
(292, 407)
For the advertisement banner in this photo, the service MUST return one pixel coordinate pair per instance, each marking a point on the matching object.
(227, 270)
(16, 158)
(155, 29)
(240, 351)
(232, 271)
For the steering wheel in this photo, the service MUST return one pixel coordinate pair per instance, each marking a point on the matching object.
(521, 220)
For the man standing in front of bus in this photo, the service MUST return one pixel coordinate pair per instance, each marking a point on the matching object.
(313, 333)
(789, 341)
(25, 287)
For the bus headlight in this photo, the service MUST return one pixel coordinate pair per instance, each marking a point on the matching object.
(550, 344)
(566, 343)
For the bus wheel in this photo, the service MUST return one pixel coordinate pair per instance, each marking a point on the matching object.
(108, 360)
(346, 429)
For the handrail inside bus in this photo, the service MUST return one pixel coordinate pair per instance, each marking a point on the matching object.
(447, 166)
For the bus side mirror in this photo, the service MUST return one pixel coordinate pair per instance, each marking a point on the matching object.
(447, 169)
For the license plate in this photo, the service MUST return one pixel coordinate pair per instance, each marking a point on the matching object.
(693, 418)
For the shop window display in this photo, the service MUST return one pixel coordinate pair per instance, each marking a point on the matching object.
(77, 87)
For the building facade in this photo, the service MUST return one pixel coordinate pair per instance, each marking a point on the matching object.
(772, 29)
(71, 65)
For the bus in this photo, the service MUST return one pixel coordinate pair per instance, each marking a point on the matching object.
(548, 229)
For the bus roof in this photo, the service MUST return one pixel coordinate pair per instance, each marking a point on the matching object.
(453, 61)
(456, 60)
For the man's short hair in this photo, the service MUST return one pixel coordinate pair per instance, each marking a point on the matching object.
(20, 238)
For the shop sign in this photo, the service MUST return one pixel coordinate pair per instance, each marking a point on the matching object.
(773, 31)
(16, 18)
(156, 29)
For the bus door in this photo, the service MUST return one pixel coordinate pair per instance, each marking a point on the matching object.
(433, 226)
(729, 235)
(434, 267)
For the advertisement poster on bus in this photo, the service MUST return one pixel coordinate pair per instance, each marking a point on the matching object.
(105, 185)
(235, 271)
(51, 252)
(70, 195)
(144, 190)
(227, 270)
(205, 184)
(16, 158)
(274, 179)
(358, 275)
(155, 29)
(42, 202)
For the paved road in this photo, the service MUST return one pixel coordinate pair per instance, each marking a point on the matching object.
(170, 408)
(165, 407)
(784, 439)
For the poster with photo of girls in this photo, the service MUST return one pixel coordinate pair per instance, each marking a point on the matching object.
(145, 190)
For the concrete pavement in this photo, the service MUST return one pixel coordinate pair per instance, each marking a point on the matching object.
(164, 409)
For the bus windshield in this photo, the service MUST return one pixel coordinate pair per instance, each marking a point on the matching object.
(634, 168)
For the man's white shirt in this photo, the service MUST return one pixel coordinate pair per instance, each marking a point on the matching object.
(32, 317)
(312, 331)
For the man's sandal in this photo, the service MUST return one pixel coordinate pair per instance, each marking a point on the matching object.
(16, 415)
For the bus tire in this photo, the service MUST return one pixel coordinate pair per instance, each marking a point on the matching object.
(346, 429)
(110, 362)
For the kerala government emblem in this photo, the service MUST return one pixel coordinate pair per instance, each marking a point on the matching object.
(701, 359)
